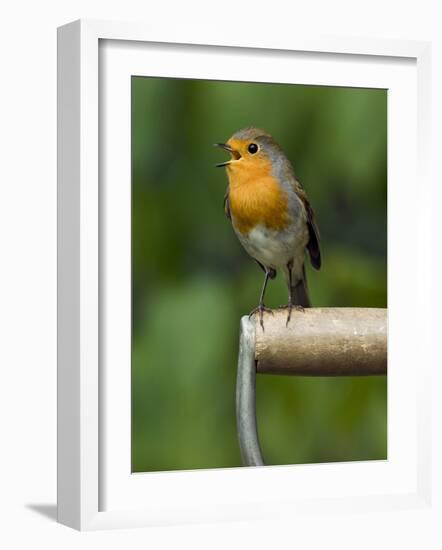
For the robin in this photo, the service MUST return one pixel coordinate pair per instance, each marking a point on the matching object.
(270, 213)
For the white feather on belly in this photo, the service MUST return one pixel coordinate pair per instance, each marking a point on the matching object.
(276, 249)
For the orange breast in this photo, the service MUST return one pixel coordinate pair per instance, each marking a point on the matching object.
(255, 197)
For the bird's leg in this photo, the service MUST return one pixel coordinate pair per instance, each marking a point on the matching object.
(261, 307)
(291, 305)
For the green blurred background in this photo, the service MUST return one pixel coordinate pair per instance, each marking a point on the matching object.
(192, 281)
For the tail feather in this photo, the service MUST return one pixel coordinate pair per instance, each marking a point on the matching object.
(300, 293)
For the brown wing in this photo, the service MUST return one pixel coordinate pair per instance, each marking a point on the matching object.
(227, 205)
(313, 231)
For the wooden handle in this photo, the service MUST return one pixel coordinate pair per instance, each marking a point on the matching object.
(323, 342)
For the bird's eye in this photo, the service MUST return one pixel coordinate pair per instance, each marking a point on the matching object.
(252, 148)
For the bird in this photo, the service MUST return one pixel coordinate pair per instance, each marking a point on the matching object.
(270, 214)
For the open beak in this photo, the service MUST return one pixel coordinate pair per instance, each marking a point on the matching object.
(235, 155)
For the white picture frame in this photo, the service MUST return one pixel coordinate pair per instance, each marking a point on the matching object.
(95, 487)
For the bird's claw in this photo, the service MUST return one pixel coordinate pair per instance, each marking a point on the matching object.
(260, 309)
(290, 307)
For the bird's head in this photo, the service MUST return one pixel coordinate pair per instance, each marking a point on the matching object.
(252, 151)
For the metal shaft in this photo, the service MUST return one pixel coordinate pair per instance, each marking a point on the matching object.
(246, 396)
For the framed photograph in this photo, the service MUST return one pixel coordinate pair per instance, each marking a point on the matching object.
(183, 301)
